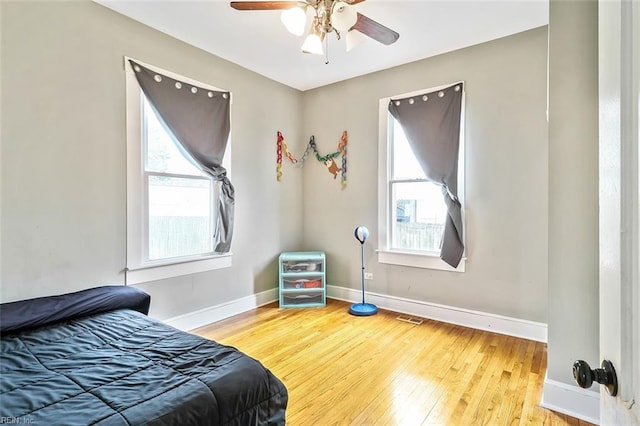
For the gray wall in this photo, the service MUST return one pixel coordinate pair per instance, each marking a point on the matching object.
(506, 180)
(63, 157)
(573, 189)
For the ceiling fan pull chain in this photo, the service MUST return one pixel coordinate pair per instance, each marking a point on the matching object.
(326, 50)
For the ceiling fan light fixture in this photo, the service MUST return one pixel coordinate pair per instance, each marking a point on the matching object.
(294, 20)
(313, 44)
(313, 41)
(343, 16)
(354, 39)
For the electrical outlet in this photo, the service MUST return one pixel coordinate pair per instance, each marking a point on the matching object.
(368, 275)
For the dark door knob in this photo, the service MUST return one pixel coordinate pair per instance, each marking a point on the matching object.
(585, 376)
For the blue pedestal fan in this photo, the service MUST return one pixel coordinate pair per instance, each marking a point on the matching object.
(362, 309)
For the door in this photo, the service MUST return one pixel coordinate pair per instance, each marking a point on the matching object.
(619, 76)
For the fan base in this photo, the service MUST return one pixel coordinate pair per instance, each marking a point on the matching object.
(363, 309)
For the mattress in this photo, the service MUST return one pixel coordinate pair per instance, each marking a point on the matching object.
(120, 367)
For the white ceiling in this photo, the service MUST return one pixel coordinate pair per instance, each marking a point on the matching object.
(257, 40)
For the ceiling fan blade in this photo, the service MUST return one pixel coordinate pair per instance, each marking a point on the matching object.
(265, 5)
(375, 30)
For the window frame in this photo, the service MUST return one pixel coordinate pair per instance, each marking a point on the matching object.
(139, 269)
(407, 257)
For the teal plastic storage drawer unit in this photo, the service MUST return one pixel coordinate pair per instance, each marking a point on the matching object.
(302, 279)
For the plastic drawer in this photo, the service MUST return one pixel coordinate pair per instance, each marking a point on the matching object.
(298, 282)
(314, 298)
(302, 266)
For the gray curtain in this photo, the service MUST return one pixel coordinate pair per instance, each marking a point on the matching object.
(199, 121)
(431, 123)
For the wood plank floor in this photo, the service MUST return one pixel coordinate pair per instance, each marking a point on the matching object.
(346, 370)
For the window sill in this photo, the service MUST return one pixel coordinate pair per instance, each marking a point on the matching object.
(418, 260)
(147, 273)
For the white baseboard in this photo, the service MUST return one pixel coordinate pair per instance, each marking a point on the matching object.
(473, 319)
(576, 402)
(193, 320)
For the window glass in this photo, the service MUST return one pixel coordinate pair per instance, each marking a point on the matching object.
(179, 217)
(418, 208)
(420, 215)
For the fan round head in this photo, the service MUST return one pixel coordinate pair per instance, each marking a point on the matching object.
(361, 233)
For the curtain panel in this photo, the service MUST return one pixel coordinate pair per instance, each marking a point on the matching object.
(431, 123)
(199, 120)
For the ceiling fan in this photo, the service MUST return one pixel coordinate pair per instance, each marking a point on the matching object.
(337, 16)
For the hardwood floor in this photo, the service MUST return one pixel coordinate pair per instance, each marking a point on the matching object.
(346, 370)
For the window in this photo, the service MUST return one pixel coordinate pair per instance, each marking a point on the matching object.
(171, 211)
(412, 210)
(420, 212)
(179, 196)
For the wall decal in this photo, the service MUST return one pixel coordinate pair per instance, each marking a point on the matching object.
(328, 160)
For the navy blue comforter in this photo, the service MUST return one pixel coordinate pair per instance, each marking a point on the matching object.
(123, 368)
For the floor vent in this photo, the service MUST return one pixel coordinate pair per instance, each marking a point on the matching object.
(410, 320)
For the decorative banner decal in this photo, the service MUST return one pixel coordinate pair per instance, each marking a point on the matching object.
(328, 160)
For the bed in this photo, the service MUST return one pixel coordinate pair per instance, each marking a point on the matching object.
(95, 358)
